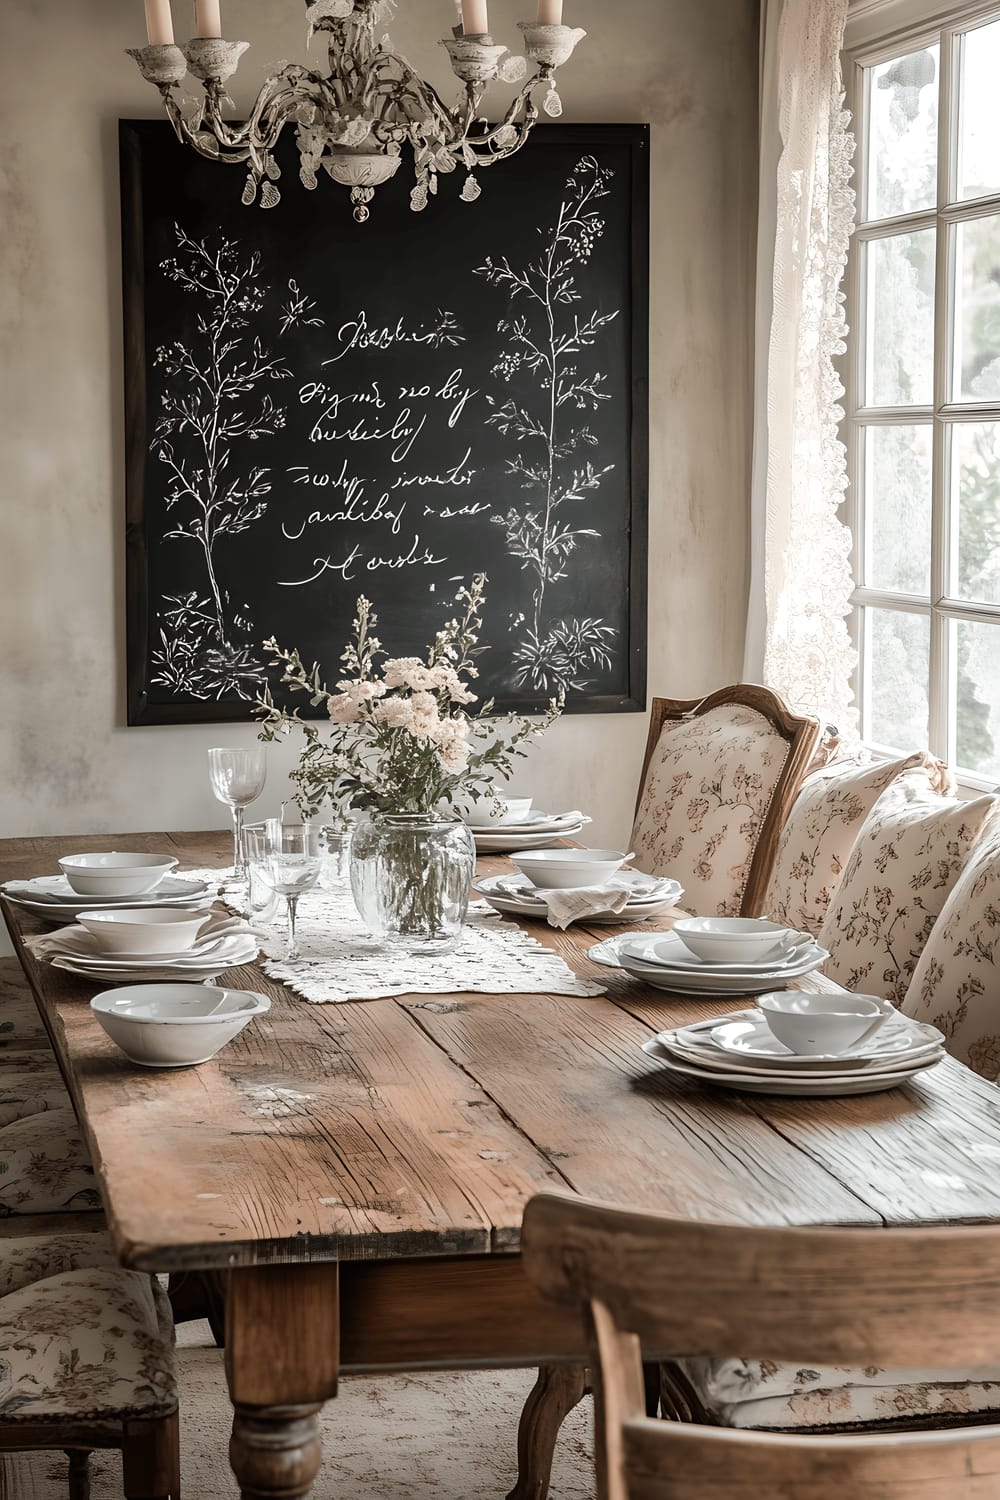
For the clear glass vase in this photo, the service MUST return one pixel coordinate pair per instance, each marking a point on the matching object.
(411, 875)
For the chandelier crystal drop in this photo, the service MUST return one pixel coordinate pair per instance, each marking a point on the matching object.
(355, 121)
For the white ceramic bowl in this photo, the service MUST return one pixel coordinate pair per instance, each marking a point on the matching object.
(175, 1025)
(158, 929)
(565, 869)
(484, 814)
(115, 874)
(732, 940)
(822, 1024)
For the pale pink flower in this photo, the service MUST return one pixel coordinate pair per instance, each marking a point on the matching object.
(408, 671)
(394, 713)
(362, 690)
(425, 714)
(343, 708)
(450, 737)
(454, 756)
(449, 680)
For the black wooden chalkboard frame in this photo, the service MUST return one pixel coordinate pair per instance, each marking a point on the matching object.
(142, 709)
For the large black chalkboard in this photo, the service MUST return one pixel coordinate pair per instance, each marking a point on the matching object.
(318, 409)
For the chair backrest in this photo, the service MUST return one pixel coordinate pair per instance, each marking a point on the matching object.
(829, 1296)
(719, 777)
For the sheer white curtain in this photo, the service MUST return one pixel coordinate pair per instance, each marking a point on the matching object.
(797, 636)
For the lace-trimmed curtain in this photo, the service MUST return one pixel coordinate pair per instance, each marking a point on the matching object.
(797, 636)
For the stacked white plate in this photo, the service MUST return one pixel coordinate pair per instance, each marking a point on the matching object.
(224, 943)
(532, 832)
(738, 1051)
(52, 898)
(663, 961)
(648, 897)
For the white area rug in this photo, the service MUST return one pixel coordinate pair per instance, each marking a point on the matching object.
(404, 1437)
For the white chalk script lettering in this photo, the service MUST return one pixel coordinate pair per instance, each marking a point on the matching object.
(357, 333)
(457, 474)
(418, 556)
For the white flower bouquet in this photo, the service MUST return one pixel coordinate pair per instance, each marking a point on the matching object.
(401, 746)
(402, 738)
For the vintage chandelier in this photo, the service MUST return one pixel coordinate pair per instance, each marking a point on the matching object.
(355, 121)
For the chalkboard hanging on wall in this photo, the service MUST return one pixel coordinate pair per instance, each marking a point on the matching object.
(317, 409)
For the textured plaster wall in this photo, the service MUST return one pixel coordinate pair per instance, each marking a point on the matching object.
(67, 761)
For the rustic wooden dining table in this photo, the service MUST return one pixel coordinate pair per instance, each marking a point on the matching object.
(358, 1171)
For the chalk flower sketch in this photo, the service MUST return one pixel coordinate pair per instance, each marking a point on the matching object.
(213, 403)
(548, 337)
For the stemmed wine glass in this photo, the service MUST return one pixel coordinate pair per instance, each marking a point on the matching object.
(287, 859)
(237, 778)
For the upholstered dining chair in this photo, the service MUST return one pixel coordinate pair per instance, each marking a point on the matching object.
(649, 1284)
(45, 1167)
(718, 779)
(87, 1357)
(956, 982)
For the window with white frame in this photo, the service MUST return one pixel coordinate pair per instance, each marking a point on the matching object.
(923, 391)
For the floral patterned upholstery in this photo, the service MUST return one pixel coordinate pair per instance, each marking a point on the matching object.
(706, 793)
(44, 1166)
(20, 1023)
(30, 1083)
(909, 854)
(86, 1345)
(822, 826)
(32, 1257)
(956, 984)
(17, 1103)
(765, 1395)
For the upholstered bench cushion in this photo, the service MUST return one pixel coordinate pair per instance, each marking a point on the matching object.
(44, 1166)
(18, 1103)
(31, 1258)
(824, 822)
(956, 984)
(20, 1023)
(909, 854)
(86, 1345)
(29, 1062)
(764, 1395)
(30, 1083)
(708, 787)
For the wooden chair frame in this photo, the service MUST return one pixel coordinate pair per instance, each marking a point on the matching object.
(900, 1297)
(802, 733)
(149, 1447)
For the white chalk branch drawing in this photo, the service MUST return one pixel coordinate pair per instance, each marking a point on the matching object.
(551, 337)
(214, 402)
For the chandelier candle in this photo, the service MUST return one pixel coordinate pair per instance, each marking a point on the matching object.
(475, 21)
(208, 18)
(550, 12)
(159, 23)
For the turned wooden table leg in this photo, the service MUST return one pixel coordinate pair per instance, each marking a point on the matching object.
(282, 1356)
(555, 1393)
(275, 1451)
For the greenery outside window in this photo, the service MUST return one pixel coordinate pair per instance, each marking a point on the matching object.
(923, 391)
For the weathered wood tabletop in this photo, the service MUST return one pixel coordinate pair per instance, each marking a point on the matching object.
(389, 1146)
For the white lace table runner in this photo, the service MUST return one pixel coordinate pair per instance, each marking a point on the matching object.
(340, 962)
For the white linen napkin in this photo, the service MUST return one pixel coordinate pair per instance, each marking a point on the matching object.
(21, 889)
(581, 902)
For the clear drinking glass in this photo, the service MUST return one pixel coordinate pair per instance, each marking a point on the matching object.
(262, 901)
(237, 778)
(287, 860)
(335, 849)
